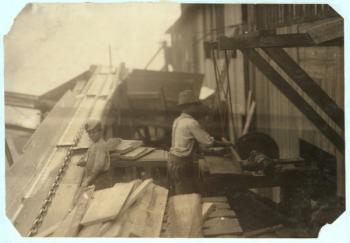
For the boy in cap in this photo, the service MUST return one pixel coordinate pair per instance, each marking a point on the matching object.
(187, 134)
(98, 161)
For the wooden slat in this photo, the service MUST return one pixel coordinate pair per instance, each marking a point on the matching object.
(307, 84)
(282, 40)
(207, 209)
(222, 213)
(60, 206)
(326, 30)
(77, 122)
(295, 98)
(107, 203)
(214, 199)
(147, 217)
(222, 227)
(40, 190)
(107, 88)
(70, 225)
(210, 223)
(136, 153)
(113, 228)
(127, 146)
(98, 109)
(222, 165)
(90, 230)
(222, 205)
(21, 175)
(98, 82)
(185, 216)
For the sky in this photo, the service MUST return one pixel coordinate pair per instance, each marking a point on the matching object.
(50, 44)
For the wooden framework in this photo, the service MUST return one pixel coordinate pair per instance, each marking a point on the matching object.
(272, 45)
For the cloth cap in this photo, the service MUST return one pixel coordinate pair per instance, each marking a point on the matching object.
(93, 125)
(187, 97)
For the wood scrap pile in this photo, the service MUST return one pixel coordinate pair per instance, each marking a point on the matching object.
(128, 209)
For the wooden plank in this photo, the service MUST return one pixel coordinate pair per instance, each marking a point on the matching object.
(281, 40)
(222, 165)
(107, 88)
(307, 84)
(222, 229)
(38, 193)
(78, 120)
(98, 109)
(90, 230)
(147, 217)
(115, 227)
(214, 199)
(185, 216)
(70, 225)
(207, 209)
(60, 206)
(295, 98)
(222, 213)
(126, 146)
(107, 203)
(20, 176)
(97, 84)
(230, 222)
(222, 205)
(136, 153)
(111, 228)
(326, 30)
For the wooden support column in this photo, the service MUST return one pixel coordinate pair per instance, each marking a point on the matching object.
(307, 84)
(294, 97)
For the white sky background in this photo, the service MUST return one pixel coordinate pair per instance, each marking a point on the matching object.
(51, 43)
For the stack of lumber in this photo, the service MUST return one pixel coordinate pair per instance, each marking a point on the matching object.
(126, 146)
(128, 209)
(130, 150)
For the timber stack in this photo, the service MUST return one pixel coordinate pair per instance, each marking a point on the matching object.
(140, 209)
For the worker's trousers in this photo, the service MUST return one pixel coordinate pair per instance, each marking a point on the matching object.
(181, 175)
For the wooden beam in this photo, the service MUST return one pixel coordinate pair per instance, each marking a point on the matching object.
(185, 216)
(307, 84)
(326, 30)
(295, 98)
(281, 40)
(261, 41)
